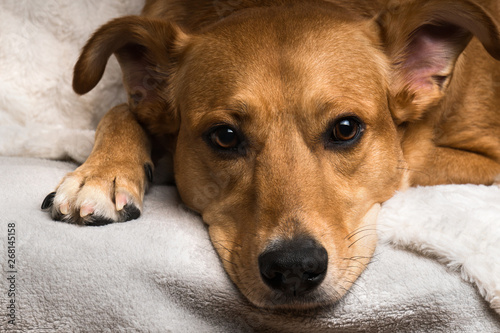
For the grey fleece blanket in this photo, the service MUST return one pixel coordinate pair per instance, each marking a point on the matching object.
(160, 273)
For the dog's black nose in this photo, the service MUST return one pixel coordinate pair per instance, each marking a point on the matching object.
(294, 267)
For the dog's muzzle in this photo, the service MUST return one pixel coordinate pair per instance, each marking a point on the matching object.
(294, 267)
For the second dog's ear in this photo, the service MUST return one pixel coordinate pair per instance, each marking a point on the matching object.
(424, 39)
(145, 48)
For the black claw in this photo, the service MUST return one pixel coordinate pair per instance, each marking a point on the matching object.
(148, 169)
(48, 201)
(98, 221)
(130, 212)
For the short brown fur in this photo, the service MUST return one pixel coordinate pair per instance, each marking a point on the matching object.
(421, 77)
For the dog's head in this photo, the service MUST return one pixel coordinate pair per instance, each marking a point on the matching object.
(283, 123)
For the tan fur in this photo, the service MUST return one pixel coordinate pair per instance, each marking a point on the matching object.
(115, 167)
(280, 71)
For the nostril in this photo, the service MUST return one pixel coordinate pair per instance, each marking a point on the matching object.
(273, 279)
(312, 276)
(295, 266)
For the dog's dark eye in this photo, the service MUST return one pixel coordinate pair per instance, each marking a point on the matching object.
(345, 131)
(225, 138)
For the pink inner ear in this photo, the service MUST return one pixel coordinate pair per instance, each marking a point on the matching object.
(432, 52)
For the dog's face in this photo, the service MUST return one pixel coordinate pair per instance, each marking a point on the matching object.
(286, 147)
(283, 127)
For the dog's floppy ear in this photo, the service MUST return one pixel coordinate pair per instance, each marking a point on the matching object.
(145, 48)
(424, 39)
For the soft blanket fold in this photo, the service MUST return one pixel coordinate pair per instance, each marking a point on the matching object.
(160, 273)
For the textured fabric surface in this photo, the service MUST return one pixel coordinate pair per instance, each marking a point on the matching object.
(457, 225)
(40, 115)
(160, 273)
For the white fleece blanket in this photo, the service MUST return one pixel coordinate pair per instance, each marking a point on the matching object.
(160, 273)
(40, 41)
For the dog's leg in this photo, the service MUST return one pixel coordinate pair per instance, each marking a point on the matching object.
(447, 165)
(110, 185)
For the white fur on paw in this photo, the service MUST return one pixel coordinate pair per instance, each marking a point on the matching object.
(92, 202)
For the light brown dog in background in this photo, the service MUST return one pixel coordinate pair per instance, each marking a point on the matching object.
(289, 123)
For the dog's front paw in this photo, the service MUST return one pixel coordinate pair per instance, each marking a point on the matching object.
(99, 195)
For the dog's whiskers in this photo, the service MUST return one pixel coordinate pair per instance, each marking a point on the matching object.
(219, 246)
(348, 291)
(358, 262)
(362, 237)
(366, 227)
(232, 251)
(354, 233)
(228, 261)
(349, 272)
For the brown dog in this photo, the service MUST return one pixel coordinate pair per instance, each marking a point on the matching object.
(289, 123)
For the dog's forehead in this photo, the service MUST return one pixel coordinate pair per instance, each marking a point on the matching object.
(287, 58)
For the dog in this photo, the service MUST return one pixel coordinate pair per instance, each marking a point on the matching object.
(289, 123)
